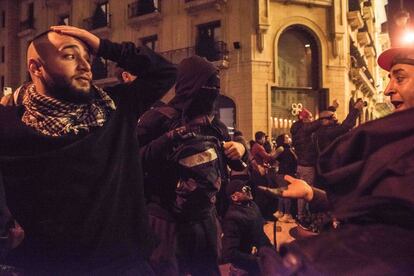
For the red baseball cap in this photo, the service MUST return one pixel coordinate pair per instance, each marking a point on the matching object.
(398, 55)
(304, 114)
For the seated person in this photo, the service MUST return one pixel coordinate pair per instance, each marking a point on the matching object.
(242, 228)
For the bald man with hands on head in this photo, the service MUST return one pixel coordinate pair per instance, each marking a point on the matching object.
(71, 173)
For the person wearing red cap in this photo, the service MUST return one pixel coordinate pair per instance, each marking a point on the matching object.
(305, 114)
(331, 128)
(369, 173)
(302, 131)
(400, 63)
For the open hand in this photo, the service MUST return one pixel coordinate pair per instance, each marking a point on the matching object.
(297, 188)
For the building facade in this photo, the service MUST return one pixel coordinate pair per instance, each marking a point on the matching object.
(275, 56)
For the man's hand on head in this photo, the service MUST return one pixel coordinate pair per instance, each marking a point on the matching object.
(89, 38)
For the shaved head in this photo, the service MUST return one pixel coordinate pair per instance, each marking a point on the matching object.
(31, 49)
(60, 66)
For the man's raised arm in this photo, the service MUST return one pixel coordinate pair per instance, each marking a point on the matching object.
(155, 75)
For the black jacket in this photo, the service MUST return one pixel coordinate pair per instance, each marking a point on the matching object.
(243, 229)
(161, 175)
(80, 197)
(326, 134)
(302, 141)
(288, 163)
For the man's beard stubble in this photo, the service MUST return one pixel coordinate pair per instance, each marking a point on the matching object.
(64, 89)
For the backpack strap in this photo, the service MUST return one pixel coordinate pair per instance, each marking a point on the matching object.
(172, 114)
(168, 111)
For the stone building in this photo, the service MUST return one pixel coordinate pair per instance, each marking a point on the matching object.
(275, 55)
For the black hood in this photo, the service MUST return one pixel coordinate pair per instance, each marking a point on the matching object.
(193, 74)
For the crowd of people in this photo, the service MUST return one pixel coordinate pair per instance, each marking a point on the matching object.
(111, 181)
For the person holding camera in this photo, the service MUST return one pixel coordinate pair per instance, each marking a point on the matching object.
(331, 129)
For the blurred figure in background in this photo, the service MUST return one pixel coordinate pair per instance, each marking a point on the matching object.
(287, 166)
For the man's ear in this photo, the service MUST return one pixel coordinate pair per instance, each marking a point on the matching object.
(234, 197)
(34, 67)
(125, 76)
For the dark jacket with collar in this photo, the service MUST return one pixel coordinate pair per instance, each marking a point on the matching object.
(80, 197)
(302, 142)
(243, 230)
(325, 135)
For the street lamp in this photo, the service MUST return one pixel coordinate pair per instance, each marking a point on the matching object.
(401, 20)
(408, 37)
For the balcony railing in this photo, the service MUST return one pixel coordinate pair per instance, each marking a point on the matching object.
(217, 53)
(177, 55)
(27, 24)
(142, 7)
(197, 5)
(94, 22)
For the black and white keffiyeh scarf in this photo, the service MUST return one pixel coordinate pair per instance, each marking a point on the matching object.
(55, 117)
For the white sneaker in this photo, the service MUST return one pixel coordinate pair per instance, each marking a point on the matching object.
(278, 214)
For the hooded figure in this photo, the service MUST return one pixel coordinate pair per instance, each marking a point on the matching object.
(197, 89)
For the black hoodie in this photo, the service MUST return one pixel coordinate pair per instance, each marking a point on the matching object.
(193, 74)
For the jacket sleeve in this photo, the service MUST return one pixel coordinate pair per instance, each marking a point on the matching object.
(319, 202)
(264, 155)
(155, 152)
(231, 245)
(236, 165)
(351, 118)
(155, 75)
(5, 216)
(331, 133)
(311, 127)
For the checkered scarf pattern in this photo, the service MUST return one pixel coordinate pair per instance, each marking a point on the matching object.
(54, 117)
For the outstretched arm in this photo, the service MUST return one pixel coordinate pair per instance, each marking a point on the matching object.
(297, 188)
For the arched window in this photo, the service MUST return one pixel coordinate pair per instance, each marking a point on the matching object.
(226, 112)
(299, 78)
(298, 59)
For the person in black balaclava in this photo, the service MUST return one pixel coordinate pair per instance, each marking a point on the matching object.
(197, 89)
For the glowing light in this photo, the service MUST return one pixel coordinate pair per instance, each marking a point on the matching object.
(408, 37)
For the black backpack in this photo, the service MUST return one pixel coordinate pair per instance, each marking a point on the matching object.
(198, 161)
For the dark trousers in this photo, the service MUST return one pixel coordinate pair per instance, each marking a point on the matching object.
(198, 246)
